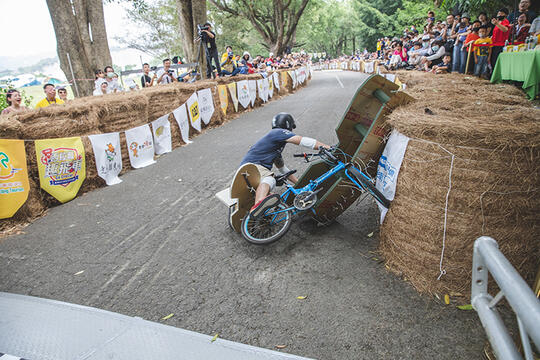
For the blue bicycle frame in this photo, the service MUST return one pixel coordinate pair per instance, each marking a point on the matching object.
(313, 185)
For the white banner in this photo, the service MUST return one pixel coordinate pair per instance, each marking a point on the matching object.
(206, 104)
(252, 85)
(161, 129)
(389, 165)
(193, 111)
(260, 89)
(108, 156)
(234, 98)
(390, 77)
(368, 67)
(181, 117)
(243, 93)
(276, 80)
(266, 87)
(140, 146)
(292, 74)
(271, 86)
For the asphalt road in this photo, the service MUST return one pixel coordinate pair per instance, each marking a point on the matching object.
(155, 245)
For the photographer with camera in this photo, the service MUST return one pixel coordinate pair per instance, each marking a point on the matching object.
(146, 80)
(208, 38)
(166, 75)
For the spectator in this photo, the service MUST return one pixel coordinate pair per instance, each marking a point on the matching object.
(112, 79)
(416, 53)
(166, 75)
(228, 64)
(13, 99)
(523, 8)
(501, 30)
(435, 55)
(98, 74)
(445, 66)
(399, 56)
(146, 80)
(101, 87)
(460, 36)
(482, 54)
(62, 93)
(520, 31)
(50, 97)
(484, 21)
(431, 17)
(246, 62)
(209, 39)
(473, 35)
(535, 26)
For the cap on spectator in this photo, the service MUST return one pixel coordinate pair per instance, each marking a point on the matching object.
(465, 15)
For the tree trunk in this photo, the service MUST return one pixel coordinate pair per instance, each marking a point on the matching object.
(69, 41)
(91, 21)
(190, 13)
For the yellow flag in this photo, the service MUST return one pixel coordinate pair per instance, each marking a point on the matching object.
(223, 98)
(14, 184)
(284, 79)
(234, 97)
(61, 165)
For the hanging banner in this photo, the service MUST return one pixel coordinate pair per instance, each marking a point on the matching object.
(223, 98)
(140, 146)
(260, 89)
(265, 89)
(161, 130)
(270, 86)
(232, 91)
(368, 67)
(389, 165)
(252, 85)
(276, 80)
(284, 79)
(108, 156)
(193, 111)
(14, 185)
(292, 74)
(61, 166)
(243, 93)
(181, 117)
(206, 104)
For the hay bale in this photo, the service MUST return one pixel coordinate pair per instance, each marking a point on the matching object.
(74, 118)
(10, 127)
(163, 99)
(495, 180)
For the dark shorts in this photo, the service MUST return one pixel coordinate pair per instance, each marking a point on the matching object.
(436, 61)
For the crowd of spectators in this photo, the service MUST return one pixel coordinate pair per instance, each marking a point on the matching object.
(445, 45)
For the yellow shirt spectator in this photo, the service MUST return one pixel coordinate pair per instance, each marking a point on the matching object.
(45, 102)
(482, 50)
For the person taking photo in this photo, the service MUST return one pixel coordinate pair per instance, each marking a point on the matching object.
(208, 37)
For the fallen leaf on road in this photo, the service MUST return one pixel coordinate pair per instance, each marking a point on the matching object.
(168, 316)
(79, 272)
(437, 296)
(281, 346)
(214, 338)
(370, 234)
(447, 299)
(465, 307)
(301, 297)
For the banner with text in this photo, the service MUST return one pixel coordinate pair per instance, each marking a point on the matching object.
(276, 80)
(193, 111)
(206, 104)
(181, 117)
(284, 79)
(270, 86)
(140, 146)
(243, 93)
(161, 130)
(14, 185)
(252, 85)
(61, 166)
(234, 98)
(223, 98)
(108, 156)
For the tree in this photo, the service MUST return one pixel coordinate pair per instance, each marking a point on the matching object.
(275, 21)
(80, 31)
(190, 14)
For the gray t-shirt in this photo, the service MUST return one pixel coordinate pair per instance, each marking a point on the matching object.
(535, 26)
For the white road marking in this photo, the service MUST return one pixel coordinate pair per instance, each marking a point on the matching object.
(340, 83)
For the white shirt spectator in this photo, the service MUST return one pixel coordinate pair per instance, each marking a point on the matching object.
(167, 79)
(535, 26)
(114, 85)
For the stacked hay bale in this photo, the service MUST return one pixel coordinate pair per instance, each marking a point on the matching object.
(472, 163)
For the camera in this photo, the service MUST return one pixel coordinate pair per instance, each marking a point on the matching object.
(170, 71)
(200, 28)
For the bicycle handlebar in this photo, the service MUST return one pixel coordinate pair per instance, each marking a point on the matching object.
(322, 152)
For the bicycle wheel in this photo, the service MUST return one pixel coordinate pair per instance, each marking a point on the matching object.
(369, 187)
(268, 227)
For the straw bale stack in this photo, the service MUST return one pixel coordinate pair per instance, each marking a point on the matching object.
(10, 127)
(485, 139)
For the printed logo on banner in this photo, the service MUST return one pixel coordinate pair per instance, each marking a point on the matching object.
(14, 185)
(276, 80)
(108, 156)
(223, 98)
(271, 86)
(243, 93)
(141, 146)
(193, 111)
(252, 85)
(232, 91)
(260, 89)
(180, 115)
(284, 79)
(61, 165)
(206, 104)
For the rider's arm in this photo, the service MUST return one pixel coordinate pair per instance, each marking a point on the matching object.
(297, 140)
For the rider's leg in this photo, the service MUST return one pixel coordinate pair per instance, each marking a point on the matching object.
(262, 191)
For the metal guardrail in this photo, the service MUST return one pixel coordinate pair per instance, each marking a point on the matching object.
(488, 259)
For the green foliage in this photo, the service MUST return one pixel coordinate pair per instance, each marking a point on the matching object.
(27, 100)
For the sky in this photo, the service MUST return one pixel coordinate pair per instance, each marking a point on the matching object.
(34, 33)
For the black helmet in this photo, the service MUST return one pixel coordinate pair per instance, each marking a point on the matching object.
(283, 121)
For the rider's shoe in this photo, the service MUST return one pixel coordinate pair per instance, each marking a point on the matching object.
(266, 203)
